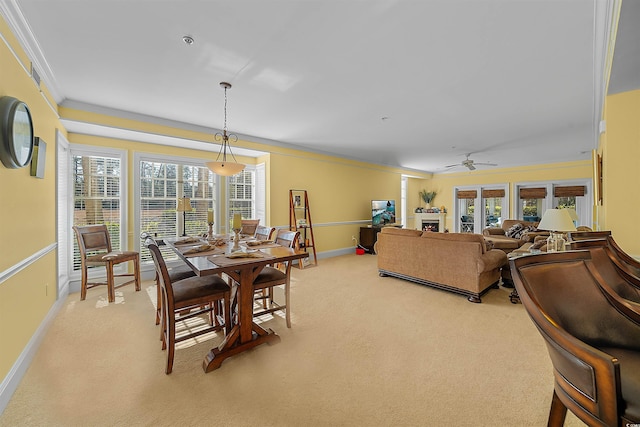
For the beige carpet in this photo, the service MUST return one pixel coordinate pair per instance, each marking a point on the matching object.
(363, 351)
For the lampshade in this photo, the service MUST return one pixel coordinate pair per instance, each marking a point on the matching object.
(225, 168)
(556, 220)
(573, 214)
(222, 166)
(184, 205)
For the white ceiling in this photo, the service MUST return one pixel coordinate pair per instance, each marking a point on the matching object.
(410, 83)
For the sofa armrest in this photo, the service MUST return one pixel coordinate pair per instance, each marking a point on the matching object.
(493, 259)
(530, 236)
(493, 231)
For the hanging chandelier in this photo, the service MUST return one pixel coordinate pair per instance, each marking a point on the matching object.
(221, 166)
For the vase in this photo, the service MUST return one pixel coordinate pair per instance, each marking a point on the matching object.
(427, 205)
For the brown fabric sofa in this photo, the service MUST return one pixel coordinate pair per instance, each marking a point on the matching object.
(498, 235)
(457, 262)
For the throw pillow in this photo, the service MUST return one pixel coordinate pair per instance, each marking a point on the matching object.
(515, 228)
(523, 231)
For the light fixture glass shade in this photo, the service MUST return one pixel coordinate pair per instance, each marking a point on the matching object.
(556, 220)
(184, 205)
(225, 168)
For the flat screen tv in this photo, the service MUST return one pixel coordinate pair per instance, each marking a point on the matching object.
(383, 212)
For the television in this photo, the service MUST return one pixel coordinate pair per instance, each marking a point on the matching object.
(383, 212)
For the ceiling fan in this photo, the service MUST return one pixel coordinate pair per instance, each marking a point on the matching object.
(470, 164)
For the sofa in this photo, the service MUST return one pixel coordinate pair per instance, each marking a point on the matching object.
(512, 234)
(456, 262)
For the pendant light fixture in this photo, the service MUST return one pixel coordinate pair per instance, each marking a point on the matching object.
(222, 166)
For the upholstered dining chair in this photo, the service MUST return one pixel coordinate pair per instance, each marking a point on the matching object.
(276, 276)
(249, 226)
(188, 298)
(264, 233)
(177, 272)
(95, 248)
(592, 337)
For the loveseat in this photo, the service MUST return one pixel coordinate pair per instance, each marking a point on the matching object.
(512, 234)
(457, 262)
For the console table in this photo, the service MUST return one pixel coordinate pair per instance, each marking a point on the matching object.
(368, 237)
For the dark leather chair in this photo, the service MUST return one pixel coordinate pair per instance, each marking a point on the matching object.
(592, 336)
(94, 244)
(188, 298)
(623, 274)
(178, 272)
(587, 235)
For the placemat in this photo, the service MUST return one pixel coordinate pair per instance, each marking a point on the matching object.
(187, 241)
(223, 261)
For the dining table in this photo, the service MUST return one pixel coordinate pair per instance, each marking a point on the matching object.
(243, 266)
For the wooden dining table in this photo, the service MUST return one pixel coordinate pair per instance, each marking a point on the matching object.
(245, 333)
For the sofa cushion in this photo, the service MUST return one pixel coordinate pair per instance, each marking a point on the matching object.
(457, 237)
(401, 231)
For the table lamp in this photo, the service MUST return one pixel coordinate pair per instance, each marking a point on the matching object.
(556, 221)
(574, 215)
(184, 205)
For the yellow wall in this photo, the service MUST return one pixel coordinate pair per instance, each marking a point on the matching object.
(27, 215)
(620, 149)
(444, 183)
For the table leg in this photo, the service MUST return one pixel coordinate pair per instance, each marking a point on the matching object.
(245, 334)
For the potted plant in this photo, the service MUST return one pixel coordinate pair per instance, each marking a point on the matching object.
(427, 197)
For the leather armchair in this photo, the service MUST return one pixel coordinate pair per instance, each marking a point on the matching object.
(592, 336)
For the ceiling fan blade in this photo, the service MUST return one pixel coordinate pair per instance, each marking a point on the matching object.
(453, 166)
(471, 167)
(485, 164)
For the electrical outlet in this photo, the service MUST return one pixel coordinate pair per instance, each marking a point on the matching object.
(354, 240)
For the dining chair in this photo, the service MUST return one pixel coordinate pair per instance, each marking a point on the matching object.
(264, 232)
(177, 272)
(249, 226)
(592, 336)
(188, 298)
(280, 275)
(95, 248)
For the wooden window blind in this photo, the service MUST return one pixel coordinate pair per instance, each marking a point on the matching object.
(489, 194)
(467, 194)
(533, 193)
(569, 191)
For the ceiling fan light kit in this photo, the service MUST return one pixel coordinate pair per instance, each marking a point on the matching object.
(470, 164)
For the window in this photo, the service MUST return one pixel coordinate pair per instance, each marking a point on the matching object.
(493, 201)
(161, 182)
(98, 177)
(534, 199)
(241, 190)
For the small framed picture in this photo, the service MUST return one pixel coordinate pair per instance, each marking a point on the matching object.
(297, 201)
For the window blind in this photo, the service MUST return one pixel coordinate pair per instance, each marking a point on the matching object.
(490, 194)
(467, 194)
(569, 191)
(96, 197)
(533, 193)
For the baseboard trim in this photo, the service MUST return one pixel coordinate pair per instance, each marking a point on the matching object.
(10, 383)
